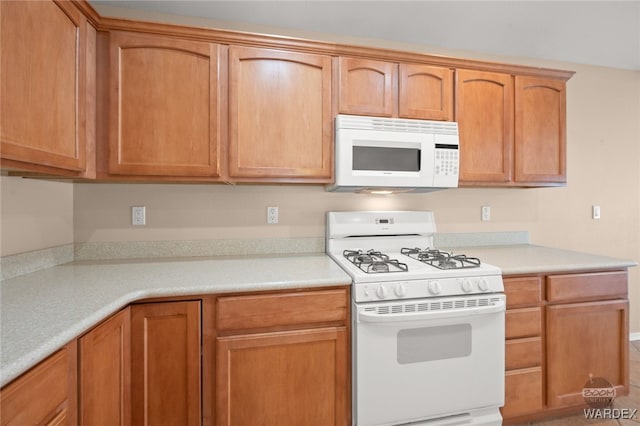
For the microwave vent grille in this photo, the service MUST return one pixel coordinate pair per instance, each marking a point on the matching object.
(396, 125)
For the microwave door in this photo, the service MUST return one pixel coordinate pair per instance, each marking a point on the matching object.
(384, 159)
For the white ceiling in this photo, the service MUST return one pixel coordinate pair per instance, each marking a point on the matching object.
(605, 33)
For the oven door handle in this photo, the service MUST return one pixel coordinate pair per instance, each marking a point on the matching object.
(432, 315)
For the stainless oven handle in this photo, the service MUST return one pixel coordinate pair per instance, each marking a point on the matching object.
(432, 315)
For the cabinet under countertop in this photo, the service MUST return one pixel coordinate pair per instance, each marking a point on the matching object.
(42, 311)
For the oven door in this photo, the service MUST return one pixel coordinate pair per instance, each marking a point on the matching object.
(429, 358)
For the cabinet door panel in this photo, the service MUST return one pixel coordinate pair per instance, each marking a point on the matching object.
(278, 310)
(523, 322)
(279, 114)
(588, 286)
(524, 291)
(43, 83)
(283, 379)
(484, 111)
(165, 363)
(523, 353)
(43, 394)
(367, 87)
(163, 106)
(586, 340)
(523, 392)
(540, 134)
(425, 92)
(105, 372)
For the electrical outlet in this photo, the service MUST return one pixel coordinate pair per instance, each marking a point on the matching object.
(486, 213)
(138, 215)
(272, 215)
(595, 212)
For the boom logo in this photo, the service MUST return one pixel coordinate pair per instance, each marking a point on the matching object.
(598, 392)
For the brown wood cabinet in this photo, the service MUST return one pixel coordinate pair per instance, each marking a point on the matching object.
(163, 104)
(88, 96)
(280, 120)
(484, 112)
(523, 348)
(286, 364)
(105, 372)
(588, 339)
(540, 134)
(387, 89)
(512, 129)
(45, 395)
(165, 363)
(44, 85)
(562, 330)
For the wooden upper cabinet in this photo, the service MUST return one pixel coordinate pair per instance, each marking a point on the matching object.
(43, 45)
(367, 87)
(484, 112)
(387, 89)
(163, 106)
(425, 92)
(280, 121)
(540, 134)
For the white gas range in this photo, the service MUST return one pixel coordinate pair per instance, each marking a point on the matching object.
(428, 326)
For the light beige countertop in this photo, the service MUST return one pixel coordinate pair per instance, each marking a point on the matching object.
(42, 311)
(530, 259)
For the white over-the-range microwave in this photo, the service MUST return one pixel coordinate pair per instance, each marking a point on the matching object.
(384, 155)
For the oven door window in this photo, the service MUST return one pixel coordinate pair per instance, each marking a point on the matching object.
(433, 343)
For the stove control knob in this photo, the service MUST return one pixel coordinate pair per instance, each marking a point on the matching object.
(467, 286)
(434, 287)
(400, 290)
(381, 291)
(483, 285)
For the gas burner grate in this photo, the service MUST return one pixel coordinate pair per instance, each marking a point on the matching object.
(441, 259)
(374, 262)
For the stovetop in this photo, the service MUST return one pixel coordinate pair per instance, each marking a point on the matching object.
(390, 255)
(372, 265)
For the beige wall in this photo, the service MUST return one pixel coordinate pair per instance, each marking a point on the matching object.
(603, 133)
(36, 214)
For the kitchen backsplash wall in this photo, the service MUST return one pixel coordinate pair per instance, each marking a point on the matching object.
(36, 214)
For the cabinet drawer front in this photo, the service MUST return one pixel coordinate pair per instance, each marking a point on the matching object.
(523, 353)
(588, 286)
(523, 392)
(35, 397)
(285, 309)
(525, 322)
(523, 291)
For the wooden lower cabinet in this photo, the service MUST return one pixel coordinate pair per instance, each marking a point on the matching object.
(282, 359)
(585, 341)
(142, 366)
(523, 392)
(165, 363)
(563, 330)
(284, 378)
(523, 347)
(45, 395)
(105, 372)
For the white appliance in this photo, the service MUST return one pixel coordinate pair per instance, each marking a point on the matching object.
(394, 155)
(428, 326)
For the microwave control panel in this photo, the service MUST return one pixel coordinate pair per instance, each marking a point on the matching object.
(446, 163)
